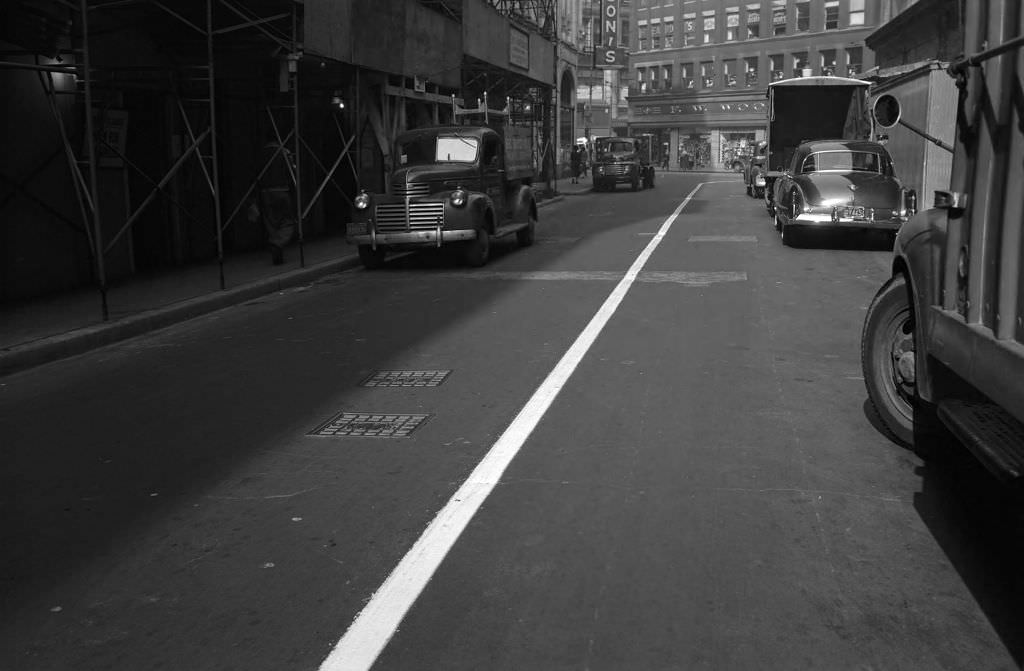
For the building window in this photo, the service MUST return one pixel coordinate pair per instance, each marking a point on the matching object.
(624, 33)
(731, 79)
(778, 17)
(828, 62)
(640, 83)
(803, 16)
(777, 67)
(689, 29)
(854, 61)
(832, 15)
(656, 36)
(856, 12)
(750, 71)
(753, 22)
(732, 24)
(666, 77)
(709, 27)
(641, 38)
(707, 74)
(799, 63)
(686, 75)
(669, 30)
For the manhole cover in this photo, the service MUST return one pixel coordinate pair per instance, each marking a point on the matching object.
(370, 425)
(406, 378)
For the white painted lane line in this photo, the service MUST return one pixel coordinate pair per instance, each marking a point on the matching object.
(366, 637)
(722, 238)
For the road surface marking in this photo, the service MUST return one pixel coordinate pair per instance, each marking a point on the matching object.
(722, 238)
(690, 278)
(366, 637)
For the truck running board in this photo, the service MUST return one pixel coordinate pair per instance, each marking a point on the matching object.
(994, 436)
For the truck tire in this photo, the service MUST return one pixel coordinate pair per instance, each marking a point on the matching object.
(649, 180)
(887, 360)
(525, 236)
(477, 251)
(635, 184)
(371, 258)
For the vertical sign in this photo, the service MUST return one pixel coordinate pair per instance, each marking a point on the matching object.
(610, 55)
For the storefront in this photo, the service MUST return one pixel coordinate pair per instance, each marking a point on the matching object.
(704, 135)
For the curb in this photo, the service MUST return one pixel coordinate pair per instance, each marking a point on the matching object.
(78, 341)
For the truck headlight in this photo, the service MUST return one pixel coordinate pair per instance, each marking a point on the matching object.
(458, 197)
(759, 180)
(362, 200)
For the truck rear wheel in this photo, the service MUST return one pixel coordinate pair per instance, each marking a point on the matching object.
(371, 258)
(888, 359)
(477, 251)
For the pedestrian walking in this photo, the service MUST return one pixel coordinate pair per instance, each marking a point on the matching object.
(277, 208)
(576, 163)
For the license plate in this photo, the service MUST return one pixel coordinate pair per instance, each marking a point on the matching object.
(853, 212)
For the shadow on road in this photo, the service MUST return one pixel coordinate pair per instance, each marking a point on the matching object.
(979, 524)
(845, 240)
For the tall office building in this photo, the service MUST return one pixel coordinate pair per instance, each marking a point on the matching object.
(700, 68)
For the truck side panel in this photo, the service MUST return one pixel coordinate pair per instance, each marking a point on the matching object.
(977, 324)
(519, 152)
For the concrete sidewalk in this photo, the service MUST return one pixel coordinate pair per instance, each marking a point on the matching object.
(40, 331)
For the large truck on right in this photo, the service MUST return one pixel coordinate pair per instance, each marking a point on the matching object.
(942, 346)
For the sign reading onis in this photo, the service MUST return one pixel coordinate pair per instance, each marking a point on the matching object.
(758, 107)
(610, 55)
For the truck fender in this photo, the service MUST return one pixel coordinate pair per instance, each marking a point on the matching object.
(482, 208)
(521, 204)
(917, 255)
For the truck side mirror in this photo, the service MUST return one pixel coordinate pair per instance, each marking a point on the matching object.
(886, 110)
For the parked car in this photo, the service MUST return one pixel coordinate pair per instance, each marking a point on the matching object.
(753, 171)
(841, 184)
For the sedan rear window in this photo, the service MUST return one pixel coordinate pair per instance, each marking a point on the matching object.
(846, 161)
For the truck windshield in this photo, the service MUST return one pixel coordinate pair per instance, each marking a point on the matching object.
(614, 148)
(846, 161)
(443, 149)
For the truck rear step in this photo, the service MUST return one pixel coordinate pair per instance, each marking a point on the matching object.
(994, 436)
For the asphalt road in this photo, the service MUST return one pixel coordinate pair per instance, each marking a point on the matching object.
(648, 448)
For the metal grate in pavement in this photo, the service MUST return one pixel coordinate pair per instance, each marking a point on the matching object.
(369, 425)
(406, 378)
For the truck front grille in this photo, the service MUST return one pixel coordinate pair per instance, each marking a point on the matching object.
(422, 217)
(616, 169)
(404, 190)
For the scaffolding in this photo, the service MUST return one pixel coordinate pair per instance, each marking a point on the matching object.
(270, 27)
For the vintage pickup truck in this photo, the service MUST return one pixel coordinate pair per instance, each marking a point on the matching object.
(622, 160)
(451, 185)
(943, 341)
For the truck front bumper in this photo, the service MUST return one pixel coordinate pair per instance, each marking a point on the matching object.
(412, 238)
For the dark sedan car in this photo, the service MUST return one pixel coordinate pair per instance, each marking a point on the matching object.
(840, 184)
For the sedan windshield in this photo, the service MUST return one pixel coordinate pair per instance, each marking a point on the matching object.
(430, 149)
(846, 161)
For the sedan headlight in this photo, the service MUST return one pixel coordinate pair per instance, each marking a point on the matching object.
(362, 200)
(458, 197)
(759, 180)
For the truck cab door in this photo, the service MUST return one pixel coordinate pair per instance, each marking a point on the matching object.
(492, 167)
